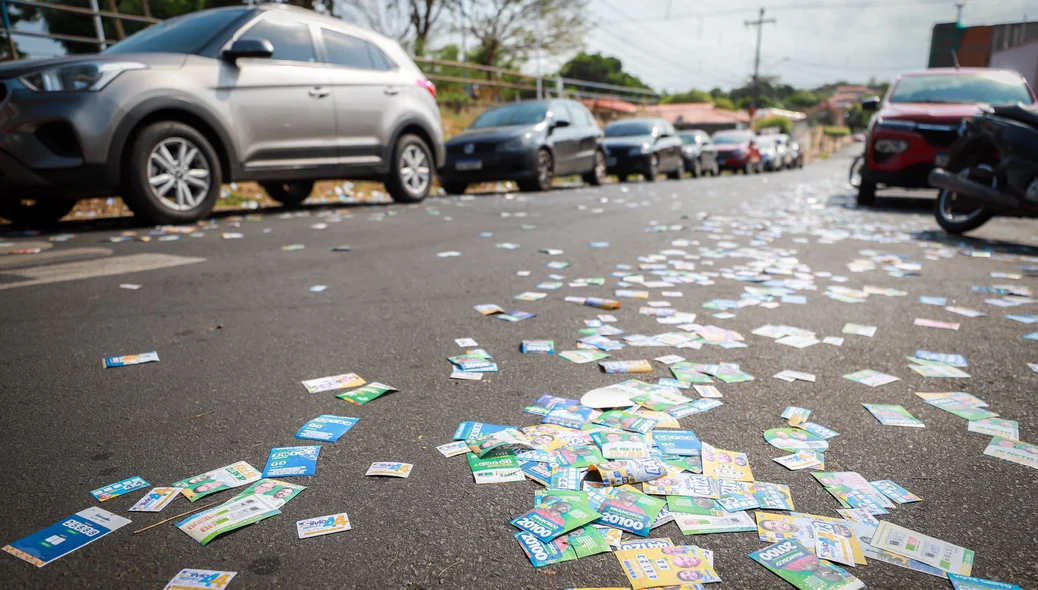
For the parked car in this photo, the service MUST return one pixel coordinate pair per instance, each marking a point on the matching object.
(917, 121)
(529, 142)
(279, 95)
(698, 151)
(649, 147)
(772, 159)
(794, 156)
(737, 151)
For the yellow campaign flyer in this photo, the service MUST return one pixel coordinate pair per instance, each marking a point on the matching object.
(724, 464)
(666, 566)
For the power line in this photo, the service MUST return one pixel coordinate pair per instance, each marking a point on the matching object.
(759, 23)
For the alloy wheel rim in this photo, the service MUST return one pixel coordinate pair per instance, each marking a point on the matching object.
(600, 166)
(544, 168)
(415, 172)
(178, 173)
(948, 199)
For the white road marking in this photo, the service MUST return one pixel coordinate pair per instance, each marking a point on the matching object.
(103, 267)
(14, 261)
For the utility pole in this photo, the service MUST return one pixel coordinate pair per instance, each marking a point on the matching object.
(540, 15)
(958, 8)
(759, 23)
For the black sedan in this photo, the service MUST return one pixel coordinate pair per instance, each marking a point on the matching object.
(649, 147)
(528, 142)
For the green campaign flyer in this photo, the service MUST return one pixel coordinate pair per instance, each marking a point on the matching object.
(551, 519)
(795, 564)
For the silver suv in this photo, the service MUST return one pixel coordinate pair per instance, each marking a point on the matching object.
(274, 94)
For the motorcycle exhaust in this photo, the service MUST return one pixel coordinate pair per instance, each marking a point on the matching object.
(964, 187)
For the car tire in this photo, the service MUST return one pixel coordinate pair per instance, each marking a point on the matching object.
(596, 176)
(621, 178)
(654, 169)
(411, 172)
(42, 213)
(454, 188)
(193, 173)
(697, 168)
(545, 174)
(866, 193)
(977, 218)
(679, 173)
(289, 194)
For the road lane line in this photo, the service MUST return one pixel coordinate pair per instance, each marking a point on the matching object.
(88, 269)
(15, 261)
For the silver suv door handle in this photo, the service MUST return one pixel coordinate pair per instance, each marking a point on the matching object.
(319, 92)
(390, 91)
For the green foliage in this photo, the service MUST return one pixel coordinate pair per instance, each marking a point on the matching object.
(599, 68)
(836, 131)
(690, 96)
(782, 123)
(801, 99)
(723, 102)
(16, 13)
(856, 117)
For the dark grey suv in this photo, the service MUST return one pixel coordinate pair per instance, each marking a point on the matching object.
(275, 94)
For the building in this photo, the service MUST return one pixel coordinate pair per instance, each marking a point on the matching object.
(975, 46)
(698, 115)
(1022, 59)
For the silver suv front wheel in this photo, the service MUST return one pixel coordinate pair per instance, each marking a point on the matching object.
(412, 172)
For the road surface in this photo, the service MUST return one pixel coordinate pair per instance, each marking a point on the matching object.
(237, 328)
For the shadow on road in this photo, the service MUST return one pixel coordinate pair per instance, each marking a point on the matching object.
(891, 202)
(981, 244)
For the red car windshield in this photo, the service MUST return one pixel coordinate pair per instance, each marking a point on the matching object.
(990, 88)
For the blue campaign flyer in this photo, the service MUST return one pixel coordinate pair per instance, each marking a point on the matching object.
(326, 428)
(58, 540)
(968, 583)
(467, 430)
(677, 442)
(119, 488)
(289, 461)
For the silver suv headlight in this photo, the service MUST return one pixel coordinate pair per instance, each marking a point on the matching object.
(84, 76)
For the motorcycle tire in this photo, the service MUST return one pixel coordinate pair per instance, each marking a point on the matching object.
(964, 153)
(958, 226)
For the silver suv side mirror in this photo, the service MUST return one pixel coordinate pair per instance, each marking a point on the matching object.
(249, 48)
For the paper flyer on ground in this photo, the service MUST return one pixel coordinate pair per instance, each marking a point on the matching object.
(495, 467)
(237, 512)
(551, 519)
(189, 579)
(908, 543)
(1012, 450)
(631, 511)
(110, 362)
(130, 484)
(724, 464)
(677, 442)
(292, 461)
(390, 469)
(217, 480)
(617, 473)
(666, 566)
(996, 427)
(970, 583)
(792, 440)
(893, 415)
(62, 538)
(797, 565)
(871, 378)
(156, 500)
(621, 445)
(323, 384)
(697, 524)
(322, 525)
(326, 428)
(367, 393)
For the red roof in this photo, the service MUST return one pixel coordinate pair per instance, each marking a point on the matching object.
(696, 113)
(610, 104)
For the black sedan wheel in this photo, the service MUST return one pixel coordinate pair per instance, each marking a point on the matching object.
(545, 174)
(654, 169)
(697, 168)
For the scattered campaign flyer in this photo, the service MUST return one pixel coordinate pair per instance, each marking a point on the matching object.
(618, 473)
(694, 407)
(893, 415)
(955, 360)
(723, 464)
(119, 488)
(791, 376)
(792, 411)
(737, 496)
(488, 309)
(292, 461)
(871, 378)
(451, 449)
(859, 330)
(677, 442)
(583, 356)
(1013, 450)
(326, 428)
(631, 511)
(971, 583)
(895, 492)
(660, 398)
(793, 439)
(332, 383)
(798, 461)
(925, 323)
(540, 553)
(236, 513)
(466, 342)
(853, 491)
(538, 347)
(555, 517)
(110, 362)
(322, 525)
(389, 469)
(702, 524)
(797, 565)
(621, 445)
(466, 375)
(996, 427)
(908, 543)
(156, 500)
(191, 579)
(684, 484)
(833, 542)
(495, 467)
(548, 402)
(935, 369)
(962, 404)
(625, 420)
(509, 438)
(666, 566)
(217, 480)
(60, 539)
(640, 366)
(367, 393)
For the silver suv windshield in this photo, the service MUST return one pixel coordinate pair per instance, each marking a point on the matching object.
(187, 34)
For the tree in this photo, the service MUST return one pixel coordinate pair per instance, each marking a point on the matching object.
(599, 68)
(16, 13)
(690, 96)
(412, 22)
(723, 102)
(802, 99)
(506, 30)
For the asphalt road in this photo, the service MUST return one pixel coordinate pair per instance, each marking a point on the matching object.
(238, 331)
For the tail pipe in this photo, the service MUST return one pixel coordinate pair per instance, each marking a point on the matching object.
(968, 189)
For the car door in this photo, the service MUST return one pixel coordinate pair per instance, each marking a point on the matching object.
(281, 106)
(366, 88)
(565, 139)
(669, 147)
(707, 151)
(589, 134)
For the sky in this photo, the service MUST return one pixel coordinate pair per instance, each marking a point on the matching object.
(676, 45)
(821, 41)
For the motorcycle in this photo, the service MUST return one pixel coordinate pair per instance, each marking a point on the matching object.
(992, 169)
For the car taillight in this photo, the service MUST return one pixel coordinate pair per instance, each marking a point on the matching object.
(428, 85)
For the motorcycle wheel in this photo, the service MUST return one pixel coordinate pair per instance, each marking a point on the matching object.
(953, 219)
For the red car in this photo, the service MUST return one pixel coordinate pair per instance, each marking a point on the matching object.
(737, 150)
(919, 119)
